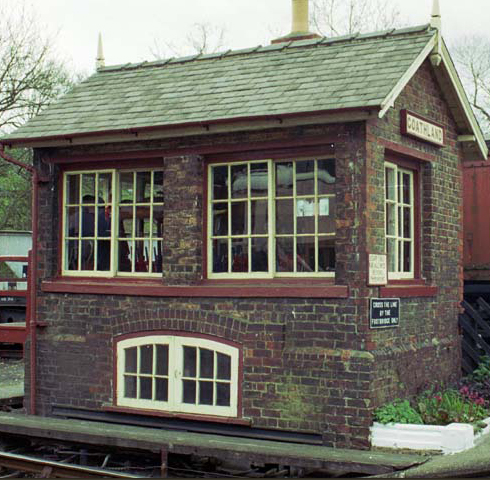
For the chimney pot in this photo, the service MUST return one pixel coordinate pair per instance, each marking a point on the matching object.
(300, 23)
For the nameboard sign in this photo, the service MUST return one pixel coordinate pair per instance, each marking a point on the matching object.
(378, 271)
(384, 312)
(415, 126)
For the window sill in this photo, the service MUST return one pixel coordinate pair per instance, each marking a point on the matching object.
(297, 288)
(183, 416)
(407, 289)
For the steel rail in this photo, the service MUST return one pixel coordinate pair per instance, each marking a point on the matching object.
(51, 469)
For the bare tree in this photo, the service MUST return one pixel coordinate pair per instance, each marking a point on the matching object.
(203, 38)
(341, 17)
(472, 57)
(30, 78)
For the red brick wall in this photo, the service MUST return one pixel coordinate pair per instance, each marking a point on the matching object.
(309, 365)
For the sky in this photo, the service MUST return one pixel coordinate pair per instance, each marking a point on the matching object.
(132, 29)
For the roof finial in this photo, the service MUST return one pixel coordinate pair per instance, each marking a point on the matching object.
(435, 20)
(100, 61)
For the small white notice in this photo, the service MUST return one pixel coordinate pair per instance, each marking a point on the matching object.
(324, 206)
(377, 269)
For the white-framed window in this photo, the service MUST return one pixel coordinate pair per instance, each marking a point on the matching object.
(399, 217)
(271, 218)
(178, 374)
(112, 222)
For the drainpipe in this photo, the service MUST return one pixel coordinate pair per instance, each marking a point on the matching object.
(36, 179)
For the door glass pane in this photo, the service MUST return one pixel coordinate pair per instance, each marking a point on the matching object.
(326, 255)
(305, 177)
(259, 217)
(130, 359)
(162, 360)
(285, 217)
(206, 358)
(206, 393)
(190, 356)
(146, 359)
(224, 366)
(220, 219)
(259, 179)
(129, 386)
(146, 388)
(161, 393)
(239, 249)
(220, 256)
(223, 394)
(285, 254)
(239, 218)
(239, 183)
(326, 176)
(220, 182)
(189, 391)
(305, 257)
(260, 257)
(284, 179)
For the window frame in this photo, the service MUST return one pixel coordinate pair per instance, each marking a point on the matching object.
(272, 198)
(412, 169)
(176, 343)
(114, 237)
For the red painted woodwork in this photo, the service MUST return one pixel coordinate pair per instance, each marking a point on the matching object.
(407, 291)
(12, 333)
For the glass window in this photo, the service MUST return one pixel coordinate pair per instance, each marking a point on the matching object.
(113, 222)
(399, 221)
(272, 218)
(177, 373)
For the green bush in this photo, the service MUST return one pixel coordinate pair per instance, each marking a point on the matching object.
(400, 411)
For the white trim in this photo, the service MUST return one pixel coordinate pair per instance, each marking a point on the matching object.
(389, 100)
(176, 377)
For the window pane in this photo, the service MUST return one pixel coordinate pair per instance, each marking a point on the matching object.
(305, 177)
(326, 176)
(223, 394)
(407, 257)
(239, 249)
(260, 257)
(259, 217)
(220, 256)
(284, 179)
(390, 219)
(142, 222)
(190, 357)
(224, 366)
(73, 221)
(141, 259)
(285, 254)
(259, 178)
(206, 393)
(157, 256)
(72, 254)
(146, 388)
(239, 188)
(305, 215)
(104, 255)
(326, 255)
(326, 215)
(220, 219)
(146, 359)
(189, 391)
(88, 188)
(220, 182)
(391, 253)
(143, 187)
(305, 248)
(126, 187)
(129, 386)
(406, 188)
(161, 393)
(284, 217)
(88, 222)
(103, 222)
(125, 221)
(162, 360)
(104, 191)
(130, 360)
(206, 363)
(407, 223)
(390, 184)
(158, 187)
(87, 255)
(125, 257)
(239, 218)
(73, 186)
(157, 221)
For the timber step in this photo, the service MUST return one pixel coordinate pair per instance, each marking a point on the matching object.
(223, 447)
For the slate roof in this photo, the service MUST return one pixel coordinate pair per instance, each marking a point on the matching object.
(287, 78)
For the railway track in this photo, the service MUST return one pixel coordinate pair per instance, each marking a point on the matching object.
(51, 469)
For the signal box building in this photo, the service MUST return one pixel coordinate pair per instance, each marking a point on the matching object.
(264, 240)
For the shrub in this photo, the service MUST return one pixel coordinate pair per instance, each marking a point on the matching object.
(400, 411)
